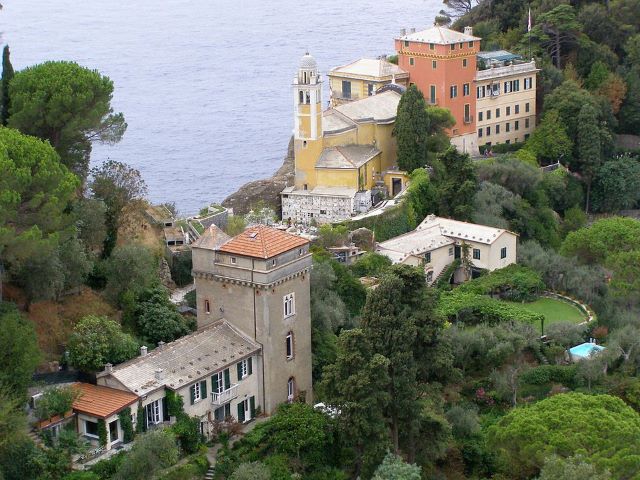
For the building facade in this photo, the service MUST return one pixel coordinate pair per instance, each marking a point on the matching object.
(363, 78)
(252, 349)
(442, 63)
(343, 156)
(437, 242)
(506, 100)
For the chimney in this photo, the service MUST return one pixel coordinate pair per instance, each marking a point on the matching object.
(143, 350)
(159, 374)
(108, 367)
(403, 32)
(413, 30)
(468, 30)
(161, 345)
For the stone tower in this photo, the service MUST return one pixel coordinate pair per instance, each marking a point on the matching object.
(259, 282)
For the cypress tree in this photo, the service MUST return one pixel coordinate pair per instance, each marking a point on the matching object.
(589, 146)
(7, 75)
(412, 130)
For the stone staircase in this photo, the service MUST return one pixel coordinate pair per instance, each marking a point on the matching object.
(210, 473)
(33, 435)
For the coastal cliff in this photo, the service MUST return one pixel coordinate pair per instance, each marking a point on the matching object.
(265, 191)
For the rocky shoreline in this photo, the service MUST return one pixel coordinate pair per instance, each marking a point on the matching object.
(265, 191)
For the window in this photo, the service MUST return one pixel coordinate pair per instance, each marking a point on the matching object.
(427, 257)
(528, 83)
(516, 86)
(154, 413)
(221, 381)
(273, 262)
(300, 252)
(507, 87)
(526, 137)
(411, 61)
(432, 94)
(91, 428)
(432, 46)
(246, 409)
(467, 113)
(220, 414)
(497, 113)
(516, 125)
(464, 62)
(488, 114)
(476, 254)
(323, 212)
(300, 96)
(453, 46)
(497, 129)
(507, 142)
(370, 89)
(406, 43)
(291, 389)
(488, 130)
(289, 345)
(453, 90)
(480, 92)
(434, 64)
(289, 302)
(479, 116)
(196, 392)
(207, 306)
(245, 368)
(503, 252)
(526, 107)
(508, 111)
(465, 89)
(495, 89)
(479, 133)
(450, 251)
(526, 123)
(507, 127)
(233, 260)
(430, 276)
(517, 109)
(305, 186)
(470, 44)
(346, 89)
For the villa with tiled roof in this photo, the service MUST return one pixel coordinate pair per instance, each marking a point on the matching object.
(437, 242)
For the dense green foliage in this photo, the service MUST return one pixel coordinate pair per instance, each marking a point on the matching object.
(96, 341)
(55, 401)
(600, 426)
(514, 282)
(7, 76)
(411, 130)
(68, 105)
(393, 468)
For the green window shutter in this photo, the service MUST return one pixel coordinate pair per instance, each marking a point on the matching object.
(241, 412)
(227, 379)
(192, 392)
(239, 367)
(252, 406)
(227, 410)
(214, 383)
(250, 365)
(203, 389)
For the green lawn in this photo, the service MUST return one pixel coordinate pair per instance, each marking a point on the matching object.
(554, 311)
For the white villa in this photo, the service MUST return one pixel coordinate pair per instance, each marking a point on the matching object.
(438, 241)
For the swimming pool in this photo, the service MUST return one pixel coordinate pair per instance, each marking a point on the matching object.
(584, 350)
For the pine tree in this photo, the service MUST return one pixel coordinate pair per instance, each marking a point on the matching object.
(412, 130)
(7, 75)
(356, 384)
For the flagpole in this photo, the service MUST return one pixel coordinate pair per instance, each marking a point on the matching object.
(529, 32)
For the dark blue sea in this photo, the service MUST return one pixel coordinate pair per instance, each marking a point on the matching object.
(204, 85)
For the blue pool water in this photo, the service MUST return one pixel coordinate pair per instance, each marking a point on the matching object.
(585, 349)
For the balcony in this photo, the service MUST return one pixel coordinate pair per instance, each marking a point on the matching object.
(344, 96)
(225, 396)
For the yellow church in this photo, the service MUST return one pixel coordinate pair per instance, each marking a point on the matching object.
(345, 156)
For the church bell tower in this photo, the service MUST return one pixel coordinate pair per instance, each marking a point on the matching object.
(307, 100)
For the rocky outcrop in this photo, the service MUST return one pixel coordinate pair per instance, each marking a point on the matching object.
(265, 191)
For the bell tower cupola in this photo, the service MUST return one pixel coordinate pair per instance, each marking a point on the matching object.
(307, 100)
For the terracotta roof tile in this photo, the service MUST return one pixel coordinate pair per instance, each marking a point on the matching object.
(212, 238)
(102, 402)
(261, 241)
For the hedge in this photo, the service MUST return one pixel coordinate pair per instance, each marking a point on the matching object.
(392, 222)
(515, 282)
(545, 374)
(472, 308)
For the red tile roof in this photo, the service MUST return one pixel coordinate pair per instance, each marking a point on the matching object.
(102, 402)
(261, 241)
